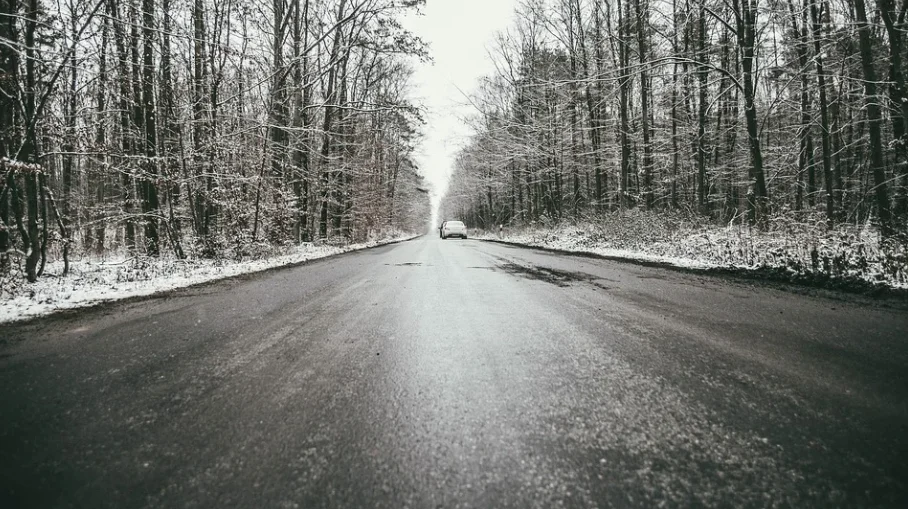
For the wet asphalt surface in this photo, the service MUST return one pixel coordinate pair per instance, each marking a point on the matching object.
(459, 374)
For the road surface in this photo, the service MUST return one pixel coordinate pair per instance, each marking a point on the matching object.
(459, 374)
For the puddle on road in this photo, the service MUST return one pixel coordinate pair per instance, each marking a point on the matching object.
(409, 264)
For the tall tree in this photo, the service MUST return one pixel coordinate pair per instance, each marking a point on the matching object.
(642, 26)
(148, 184)
(624, 85)
(894, 20)
(816, 31)
(874, 117)
(745, 12)
(9, 135)
(702, 107)
(28, 152)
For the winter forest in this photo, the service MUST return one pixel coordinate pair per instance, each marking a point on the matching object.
(203, 128)
(226, 129)
(767, 113)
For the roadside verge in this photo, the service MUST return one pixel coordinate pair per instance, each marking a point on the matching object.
(783, 277)
(92, 282)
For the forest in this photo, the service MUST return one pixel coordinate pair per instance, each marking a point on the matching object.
(203, 128)
(767, 114)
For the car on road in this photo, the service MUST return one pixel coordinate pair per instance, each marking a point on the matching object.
(453, 229)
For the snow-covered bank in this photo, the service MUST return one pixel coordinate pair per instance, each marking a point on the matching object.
(844, 257)
(91, 282)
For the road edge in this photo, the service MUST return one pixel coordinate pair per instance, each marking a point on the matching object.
(836, 288)
(163, 294)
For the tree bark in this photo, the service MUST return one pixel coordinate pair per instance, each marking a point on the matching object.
(746, 20)
(824, 113)
(874, 118)
(624, 84)
(69, 143)
(200, 135)
(642, 22)
(150, 205)
(29, 151)
(805, 153)
(9, 137)
(302, 94)
(702, 105)
(895, 26)
(127, 122)
(328, 180)
(278, 112)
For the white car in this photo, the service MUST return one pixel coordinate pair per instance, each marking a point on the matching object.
(453, 229)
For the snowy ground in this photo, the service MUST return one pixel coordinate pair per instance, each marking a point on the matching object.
(90, 282)
(843, 258)
(575, 242)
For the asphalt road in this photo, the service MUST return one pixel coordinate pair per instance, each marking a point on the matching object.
(459, 374)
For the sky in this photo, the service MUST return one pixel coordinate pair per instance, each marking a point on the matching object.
(460, 34)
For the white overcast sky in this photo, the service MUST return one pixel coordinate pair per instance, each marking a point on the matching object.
(460, 34)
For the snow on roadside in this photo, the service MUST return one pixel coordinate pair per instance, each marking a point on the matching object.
(810, 257)
(93, 282)
(572, 245)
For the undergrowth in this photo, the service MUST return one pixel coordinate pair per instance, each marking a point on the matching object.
(798, 250)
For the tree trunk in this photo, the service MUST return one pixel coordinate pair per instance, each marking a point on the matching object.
(624, 84)
(127, 122)
(805, 153)
(301, 119)
(69, 143)
(702, 105)
(29, 151)
(595, 113)
(330, 99)
(98, 182)
(824, 114)
(642, 19)
(278, 112)
(148, 184)
(895, 26)
(874, 118)
(9, 138)
(746, 18)
(199, 124)
(168, 143)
